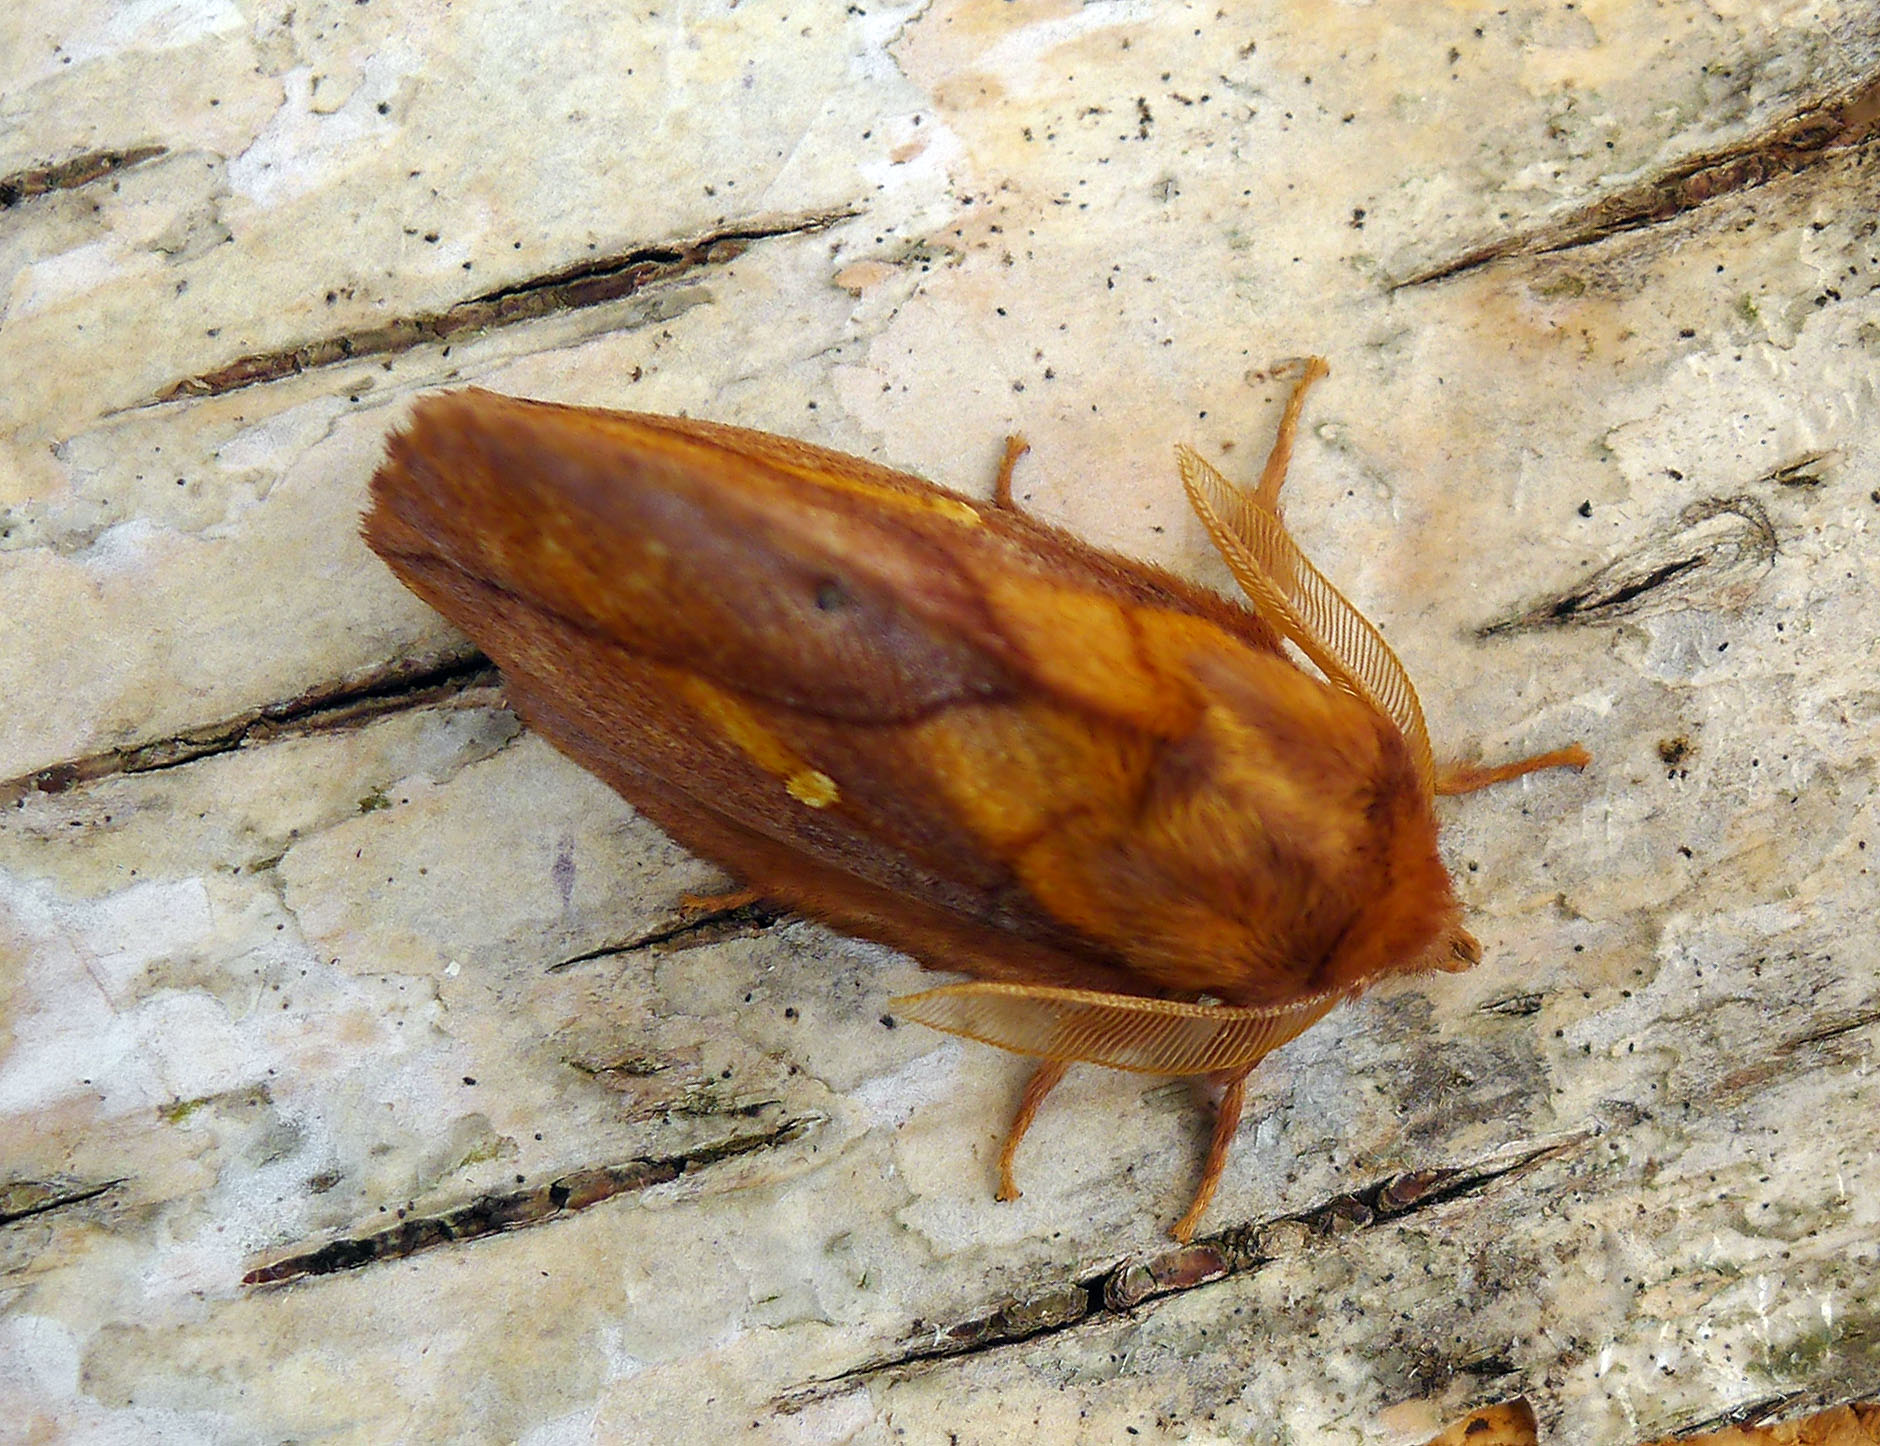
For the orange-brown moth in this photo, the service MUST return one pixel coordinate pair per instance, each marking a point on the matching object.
(1155, 840)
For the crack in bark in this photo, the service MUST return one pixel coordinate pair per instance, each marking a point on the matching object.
(1121, 1288)
(81, 170)
(1515, 1005)
(1808, 137)
(1779, 1061)
(714, 925)
(519, 1209)
(1853, 1024)
(572, 288)
(1805, 471)
(319, 710)
(1715, 556)
(23, 1199)
(1748, 1413)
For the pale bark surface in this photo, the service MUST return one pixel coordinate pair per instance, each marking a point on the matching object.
(284, 889)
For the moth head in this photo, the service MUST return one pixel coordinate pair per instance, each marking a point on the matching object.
(1407, 919)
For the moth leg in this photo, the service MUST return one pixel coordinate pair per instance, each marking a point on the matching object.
(1277, 461)
(718, 903)
(1467, 777)
(1226, 1122)
(1043, 1080)
(1015, 447)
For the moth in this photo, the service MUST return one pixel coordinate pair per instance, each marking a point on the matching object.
(1160, 830)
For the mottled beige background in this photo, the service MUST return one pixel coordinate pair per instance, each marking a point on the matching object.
(282, 885)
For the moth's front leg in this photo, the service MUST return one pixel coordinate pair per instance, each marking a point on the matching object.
(1015, 447)
(1227, 1113)
(1467, 777)
(1043, 1080)
(1273, 475)
(1226, 1121)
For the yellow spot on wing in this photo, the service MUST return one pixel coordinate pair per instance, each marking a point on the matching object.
(740, 725)
(813, 788)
